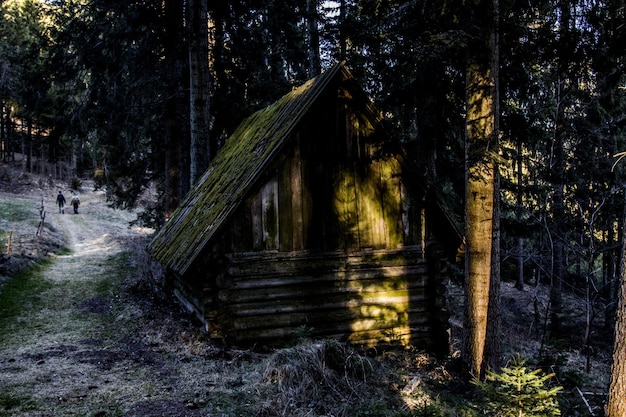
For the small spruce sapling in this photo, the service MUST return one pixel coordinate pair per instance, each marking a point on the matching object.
(519, 392)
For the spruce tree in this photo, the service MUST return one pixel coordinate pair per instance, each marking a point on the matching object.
(518, 391)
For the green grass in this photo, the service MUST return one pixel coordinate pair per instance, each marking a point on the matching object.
(33, 307)
(10, 403)
(30, 304)
(17, 210)
(19, 293)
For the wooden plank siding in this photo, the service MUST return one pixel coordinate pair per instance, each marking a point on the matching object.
(320, 204)
(366, 298)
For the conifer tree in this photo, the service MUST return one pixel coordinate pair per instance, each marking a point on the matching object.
(517, 391)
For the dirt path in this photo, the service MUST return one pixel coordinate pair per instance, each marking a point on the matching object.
(69, 344)
(93, 238)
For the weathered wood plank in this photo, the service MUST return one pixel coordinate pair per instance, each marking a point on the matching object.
(297, 198)
(282, 273)
(316, 298)
(412, 334)
(408, 255)
(369, 209)
(333, 320)
(241, 230)
(392, 202)
(269, 214)
(285, 209)
(256, 215)
(341, 282)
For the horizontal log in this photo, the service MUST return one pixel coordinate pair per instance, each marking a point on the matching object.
(312, 291)
(408, 255)
(375, 317)
(414, 305)
(301, 268)
(286, 277)
(240, 301)
(418, 335)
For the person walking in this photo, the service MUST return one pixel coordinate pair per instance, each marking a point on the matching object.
(75, 203)
(61, 202)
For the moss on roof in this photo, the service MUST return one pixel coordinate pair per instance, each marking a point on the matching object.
(231, 175)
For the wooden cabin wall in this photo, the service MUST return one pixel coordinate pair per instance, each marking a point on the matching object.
(367, 298)
(330, 192)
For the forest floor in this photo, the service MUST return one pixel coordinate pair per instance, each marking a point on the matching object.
(85, 331)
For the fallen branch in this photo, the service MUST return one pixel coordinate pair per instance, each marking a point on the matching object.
(585, 401)
(42, 217)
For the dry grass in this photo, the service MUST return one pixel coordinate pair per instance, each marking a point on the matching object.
(324, 376)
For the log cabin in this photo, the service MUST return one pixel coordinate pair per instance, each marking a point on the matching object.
(308, 221)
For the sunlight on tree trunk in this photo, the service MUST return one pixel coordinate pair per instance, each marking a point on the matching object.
(480, 189)
(616, 406)
(479, 216)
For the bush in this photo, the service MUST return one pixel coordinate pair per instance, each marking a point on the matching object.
(519, 392)
(76, 183)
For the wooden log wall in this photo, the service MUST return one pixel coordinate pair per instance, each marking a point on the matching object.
(363, 298)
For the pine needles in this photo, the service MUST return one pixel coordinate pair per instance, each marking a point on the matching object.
(518, 391)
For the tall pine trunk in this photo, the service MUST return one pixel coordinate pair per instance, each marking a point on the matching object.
(312, 18)
(481, 199)
(175, 139)
(616, 405)
(199, 102)
(519, 209)
(558, 163)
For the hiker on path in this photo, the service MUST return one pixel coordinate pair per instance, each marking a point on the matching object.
(61, 202)
(75, 203)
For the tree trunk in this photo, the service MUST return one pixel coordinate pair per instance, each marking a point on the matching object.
(481, 200)
(558, 268)
(559, 166)
(493, 339)
(27, 146)
(315, 64)
(519, 210)
(616, 405)
(176, 140)
(2, 130)
(199, 102)
(343, 41)
(612, 296)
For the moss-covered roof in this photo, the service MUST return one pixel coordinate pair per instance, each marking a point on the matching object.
(233, 172)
